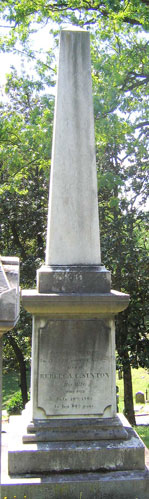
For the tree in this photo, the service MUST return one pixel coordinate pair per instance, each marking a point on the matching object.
(121, 126)
(25, 136)
(17, 350)
(127, 257)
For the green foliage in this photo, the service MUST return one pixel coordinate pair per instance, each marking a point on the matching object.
(22, 336)
(15, 404)
(11, 385)
(25, 138)
(120, 78)
(143, 434)
(21, 14)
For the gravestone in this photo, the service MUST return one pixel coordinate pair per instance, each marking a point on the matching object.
(140, 398)
(9, 307)
(73, 343)
(71, 441)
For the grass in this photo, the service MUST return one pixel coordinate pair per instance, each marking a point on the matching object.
(11, 384)
(143, 432)
(140, 382)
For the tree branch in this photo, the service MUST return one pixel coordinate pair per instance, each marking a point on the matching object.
(32, 56)
(142, 124)
(17, 239)
(87, 7)
(131, 80)
(8, 27)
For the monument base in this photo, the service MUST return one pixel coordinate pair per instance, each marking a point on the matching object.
(30, 456)
(61, 469)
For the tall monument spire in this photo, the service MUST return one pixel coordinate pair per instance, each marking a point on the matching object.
(74, 433)
(73, 225)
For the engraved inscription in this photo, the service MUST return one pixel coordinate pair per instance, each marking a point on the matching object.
(73, 376)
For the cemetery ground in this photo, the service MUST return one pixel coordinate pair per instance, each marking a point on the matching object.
(140, 381)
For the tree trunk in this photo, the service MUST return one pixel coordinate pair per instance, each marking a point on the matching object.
(128, 394)
(22, 365)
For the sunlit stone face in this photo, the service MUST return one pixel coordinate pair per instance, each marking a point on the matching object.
(73, 225)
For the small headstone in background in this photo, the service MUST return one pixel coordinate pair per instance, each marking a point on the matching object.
(140, 399)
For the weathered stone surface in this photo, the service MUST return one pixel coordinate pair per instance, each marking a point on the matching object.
(108, 455)
(73, 279)
(4, 285)
(113, 485)
(140, 398)
(81, 305)
(9, 292)
(73, 372)
(73, 226)
(75, 429)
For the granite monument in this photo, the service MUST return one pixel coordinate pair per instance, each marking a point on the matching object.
(71, 440)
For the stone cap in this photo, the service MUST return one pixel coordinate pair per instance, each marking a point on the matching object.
(85, 305)
(9, 293)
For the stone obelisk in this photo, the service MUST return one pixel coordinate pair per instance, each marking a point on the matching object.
(73, 428)
(73, 354)
(73, 242)
(73, 226)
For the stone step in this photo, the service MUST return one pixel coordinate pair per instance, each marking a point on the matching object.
(111, 485)
(51, 430)
(80, 456)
